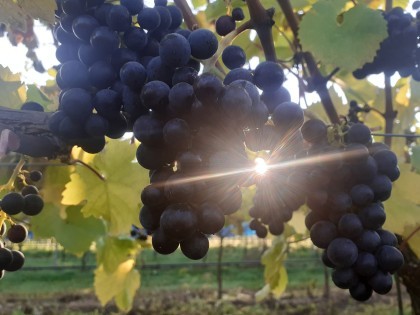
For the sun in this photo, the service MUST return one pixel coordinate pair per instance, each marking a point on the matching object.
(260, 166)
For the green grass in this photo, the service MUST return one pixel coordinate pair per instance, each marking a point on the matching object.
(57, 281)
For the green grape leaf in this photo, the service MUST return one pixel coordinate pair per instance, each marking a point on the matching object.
(15, 12)
(275, 274)
(121, 284)
(34, 94)
(12, 90)
(347, 44)
(75, 233)
(112, 251)
(114, 198)
(198, 3)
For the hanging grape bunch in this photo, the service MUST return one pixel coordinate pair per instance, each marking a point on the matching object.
(28, 202)
(127, 67)
(399, 52)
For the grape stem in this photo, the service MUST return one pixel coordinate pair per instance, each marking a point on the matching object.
(390, 114)
(188, 15)
(321, 89)
(10, 183)
(262, 21)
(226, 41)
(90, 168)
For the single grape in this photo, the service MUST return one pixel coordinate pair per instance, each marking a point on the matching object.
(203, 43)
(174, 50)
(17, 233)
(224, 25)
(196, 246)
(17, 262)
(12, 203)
(238, 14)
(342, 252)
(33, 205)
(268, 76)
(323, 233)
(35, 176)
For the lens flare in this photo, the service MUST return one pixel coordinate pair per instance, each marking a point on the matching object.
(260, 166)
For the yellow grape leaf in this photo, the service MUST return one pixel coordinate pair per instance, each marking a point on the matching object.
(112, 251)
(402, 97)
(54, 183)
(330, 34)
(15, 12)
(121, 284)
(414, 241)
(403, 208)
(275, 274)
(12, 90)
(263, 293)
(115, 198)
(298, 221)
(75, 233)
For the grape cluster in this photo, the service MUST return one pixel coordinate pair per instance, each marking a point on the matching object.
(399, 51)
(28, 202)
(106, 60)
(193, 145)
(345, 188)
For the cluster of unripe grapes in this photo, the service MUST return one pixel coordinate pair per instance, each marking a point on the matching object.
(26, 201)
(399, 52)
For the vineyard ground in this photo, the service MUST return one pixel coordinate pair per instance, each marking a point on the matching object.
(182, 290)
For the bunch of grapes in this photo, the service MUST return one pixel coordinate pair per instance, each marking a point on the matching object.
(346, 186)
(105, 62)
(194, 148)
(28, 202)
(399, 51)
(129, 67)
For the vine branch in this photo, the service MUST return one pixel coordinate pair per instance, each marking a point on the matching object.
(10, 183)
(321, 89)
(262, 21)
(35, 138)
(188, 15)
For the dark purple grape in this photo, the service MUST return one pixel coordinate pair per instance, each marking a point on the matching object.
(389, 258)
(196, 246)
(224, 25)
(203, 43)
(17, 233)
(323, 233)
(342, 252)
(268, 76)
(33, 205)
(12, 203)
(178, 221)
(162, 243)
